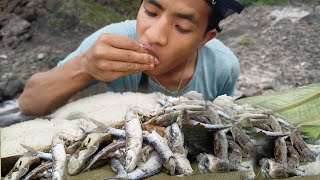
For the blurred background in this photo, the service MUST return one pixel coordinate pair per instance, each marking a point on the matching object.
(277, 42)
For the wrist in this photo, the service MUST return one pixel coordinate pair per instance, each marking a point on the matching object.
(79, 71)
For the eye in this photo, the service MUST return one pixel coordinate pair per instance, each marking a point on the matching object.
(150, 13)
(180, 29)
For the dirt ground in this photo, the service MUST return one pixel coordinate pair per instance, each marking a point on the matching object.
(278, 46)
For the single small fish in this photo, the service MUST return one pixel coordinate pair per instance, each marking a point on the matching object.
(180, 107)
(59, 158)
(183, 166)
(39, 171)
(134, 141)
(247, 172)
(280, 152)
(261, 124)
(176, 144)
(302, 147)
(220, 144)
(21, 167)
(102, 128)
(161, 146)
(210, 127)
(271, 169)
(293, 159)
(89, 146)
(213, 115)
(274, 123)
(71, 142)
(175, 138)
(243, 140)
(274, 135)
(40, 154)
(105, 152)
(216, 164)
(203, 160)
(248, 115)
(235, 157)
(164, 120)
(146, 152)
(202, 119)
(118, 168)
(190, 102)
(151, 167)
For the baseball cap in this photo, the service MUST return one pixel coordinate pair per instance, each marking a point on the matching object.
(223, 6)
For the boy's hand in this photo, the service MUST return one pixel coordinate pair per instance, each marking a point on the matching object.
(113, 56)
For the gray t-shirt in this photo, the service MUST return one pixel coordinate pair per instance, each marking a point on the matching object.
(216, 72)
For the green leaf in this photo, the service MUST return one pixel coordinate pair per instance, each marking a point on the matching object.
(299, 106)
(311, 132)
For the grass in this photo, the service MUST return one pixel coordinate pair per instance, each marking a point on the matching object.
(246, 41)
(98, 14)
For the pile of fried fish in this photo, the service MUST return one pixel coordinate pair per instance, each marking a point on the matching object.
(220, 135)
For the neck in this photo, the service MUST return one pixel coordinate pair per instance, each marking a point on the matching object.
(181, 74)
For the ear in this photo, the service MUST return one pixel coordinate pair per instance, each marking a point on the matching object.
(207, 37)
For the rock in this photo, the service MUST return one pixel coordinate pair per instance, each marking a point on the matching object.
(30, 14)
(12, 88)
(15, 31)
(3, 56)
(41, 56)
(12, 5)
(1, 95)
(272, 17)
(313, 18)
(15, 27)
(52, 5)
(317, 9)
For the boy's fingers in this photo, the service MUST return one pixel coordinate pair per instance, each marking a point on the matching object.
(123, 42)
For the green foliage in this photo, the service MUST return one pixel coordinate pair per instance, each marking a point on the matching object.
(98, 14)
(299, 106)
(246, 41)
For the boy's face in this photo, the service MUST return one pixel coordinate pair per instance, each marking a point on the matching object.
(175, 30)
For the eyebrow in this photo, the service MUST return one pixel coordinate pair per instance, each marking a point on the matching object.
(155, 3)
(188, 17)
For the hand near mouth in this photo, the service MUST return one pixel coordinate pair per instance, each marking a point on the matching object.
(113, 56)
(150, 50)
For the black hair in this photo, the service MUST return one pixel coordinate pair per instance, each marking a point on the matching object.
(219, 8)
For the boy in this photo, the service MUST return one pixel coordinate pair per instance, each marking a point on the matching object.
(170, 48)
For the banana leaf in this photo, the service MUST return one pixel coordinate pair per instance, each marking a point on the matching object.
(299, 106)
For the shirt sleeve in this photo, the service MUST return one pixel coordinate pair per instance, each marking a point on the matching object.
(125, 28)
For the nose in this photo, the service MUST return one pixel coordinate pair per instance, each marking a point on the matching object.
(158, 32)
